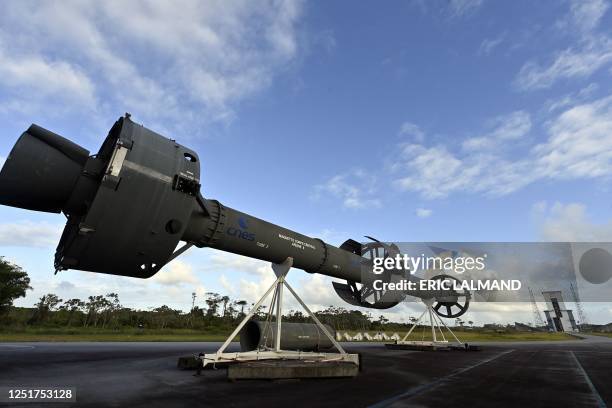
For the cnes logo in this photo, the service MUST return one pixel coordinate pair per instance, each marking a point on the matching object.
(241, 231)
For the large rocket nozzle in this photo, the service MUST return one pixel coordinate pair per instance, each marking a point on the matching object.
(41, 171)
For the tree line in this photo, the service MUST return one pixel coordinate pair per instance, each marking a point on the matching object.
(105, 311)
(221, 313)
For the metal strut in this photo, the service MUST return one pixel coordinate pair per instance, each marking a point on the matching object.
(276, 308)
(436, 324)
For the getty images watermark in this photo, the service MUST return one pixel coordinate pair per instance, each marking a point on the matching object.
(457, 264)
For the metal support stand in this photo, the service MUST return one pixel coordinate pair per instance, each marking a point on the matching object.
(276, 308)
(436, 324)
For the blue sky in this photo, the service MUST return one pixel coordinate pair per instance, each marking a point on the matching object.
(449, 120)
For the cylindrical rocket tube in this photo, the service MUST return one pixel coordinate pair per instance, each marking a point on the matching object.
(294, 336)
(229, 230)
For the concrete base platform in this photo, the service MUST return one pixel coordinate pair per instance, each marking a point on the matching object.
(291, 369)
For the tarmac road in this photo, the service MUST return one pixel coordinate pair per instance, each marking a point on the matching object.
(573, 373)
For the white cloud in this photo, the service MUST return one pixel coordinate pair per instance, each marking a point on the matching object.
(504, 128)
(65, 286)
(423, 212)
(317, 292)
(177, 272)
(411, 130)
(2, 160)
(586, 14)
(459, 8)
(580, 143)
(435, 172)
(489, 44)
(181, 60)
(253, 290)
(448, 8)
(30, 234)
(576, 62)
(356, 189)
(227, 285)
(579, 146)
(511, 127)
(569, 223)
(571, 99)
(590, 53)
(325, 40)
(44, 81)
(235, 263)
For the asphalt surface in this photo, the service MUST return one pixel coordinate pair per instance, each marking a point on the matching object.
(545, 374)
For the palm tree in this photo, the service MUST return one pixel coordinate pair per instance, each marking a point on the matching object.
(213, 303)
(242, 304)
(225, 299)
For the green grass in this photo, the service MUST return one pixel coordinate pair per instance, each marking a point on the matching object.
(92, 334)
(601, 334)
(477, 336)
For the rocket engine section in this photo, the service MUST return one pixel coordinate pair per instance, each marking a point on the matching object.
(127, 206)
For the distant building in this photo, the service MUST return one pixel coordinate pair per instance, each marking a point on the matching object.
(559, 317)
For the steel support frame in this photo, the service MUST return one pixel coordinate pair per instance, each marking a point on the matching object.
(275, 352)
(436, 323)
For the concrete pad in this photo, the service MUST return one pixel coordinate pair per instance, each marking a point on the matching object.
(430, 347)
(470, 347)
(144, 375)
(418, 347)
(275, 369)
(188, 363)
